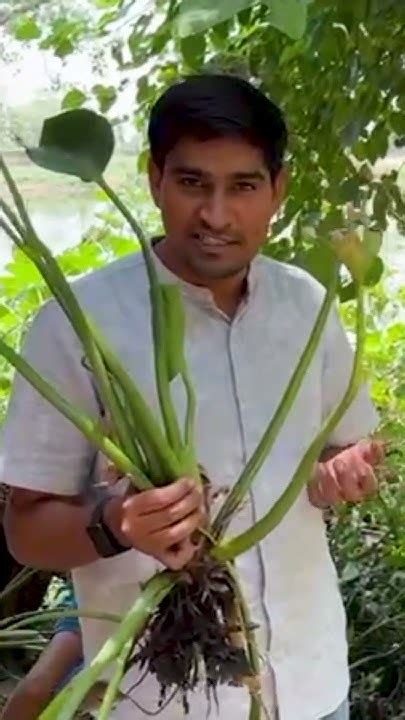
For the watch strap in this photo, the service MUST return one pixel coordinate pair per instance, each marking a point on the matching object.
(101, 535)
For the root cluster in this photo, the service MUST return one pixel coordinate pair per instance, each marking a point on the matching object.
(191, 638)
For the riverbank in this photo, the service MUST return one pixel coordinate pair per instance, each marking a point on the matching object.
(41, 186)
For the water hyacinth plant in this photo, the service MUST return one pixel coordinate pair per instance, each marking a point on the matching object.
(212, 636)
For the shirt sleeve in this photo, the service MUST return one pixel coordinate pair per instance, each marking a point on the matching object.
(361, 418)
(40, 449)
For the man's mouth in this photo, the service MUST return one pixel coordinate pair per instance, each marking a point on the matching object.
(209, 240)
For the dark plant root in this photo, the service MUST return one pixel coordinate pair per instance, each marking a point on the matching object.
(190, 637)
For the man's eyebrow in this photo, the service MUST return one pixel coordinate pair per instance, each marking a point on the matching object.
(239, 175)
(188, 170)
(252, 175)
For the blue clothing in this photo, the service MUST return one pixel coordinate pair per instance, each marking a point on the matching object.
(68, 624)
(67, 600)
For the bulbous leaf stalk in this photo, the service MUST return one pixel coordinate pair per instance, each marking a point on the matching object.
(242, 486)
(229, 549)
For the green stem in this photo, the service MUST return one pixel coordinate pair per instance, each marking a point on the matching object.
(114, 685)
(18, 634)
(12, 218)
(10, 232)
(189, 438)
(40, 255)
(126, 436)
(67, 702)
(15, 622)
(16, 195)
(255, 710)
(82, 421)
(230, 549)
(147, 426)
(256, 703)
(14, 645)
(18, 580)
(242, 486)
(157, 311)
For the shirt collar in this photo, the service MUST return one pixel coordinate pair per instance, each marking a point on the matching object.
(203, 295)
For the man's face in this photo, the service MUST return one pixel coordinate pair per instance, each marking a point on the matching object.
(216, 199)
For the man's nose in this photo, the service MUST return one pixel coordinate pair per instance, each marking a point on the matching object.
(214, 212)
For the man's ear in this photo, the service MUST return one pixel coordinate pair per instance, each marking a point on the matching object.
(280, 188)
(155, 179)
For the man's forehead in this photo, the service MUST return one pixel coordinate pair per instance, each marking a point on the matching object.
(216, 157)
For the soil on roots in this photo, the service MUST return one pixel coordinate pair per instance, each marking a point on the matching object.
(190, 639)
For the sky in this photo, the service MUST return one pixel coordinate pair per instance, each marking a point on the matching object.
(35, 70)
(21, 81)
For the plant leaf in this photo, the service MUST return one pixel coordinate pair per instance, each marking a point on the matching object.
(25, 28)
(76, 142)
(195, 16)
(318, 260)
(106, 96)
(73, 99)
(289, 16)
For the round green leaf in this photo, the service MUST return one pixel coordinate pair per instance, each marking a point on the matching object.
(25, 28)
(77, 142)
(73, 99)
(106, 96)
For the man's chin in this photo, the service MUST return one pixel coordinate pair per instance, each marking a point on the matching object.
(217, 270)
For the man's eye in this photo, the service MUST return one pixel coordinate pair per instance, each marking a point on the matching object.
(244, 186)
(190, 182)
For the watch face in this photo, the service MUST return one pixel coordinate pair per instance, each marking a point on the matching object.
(100, 541)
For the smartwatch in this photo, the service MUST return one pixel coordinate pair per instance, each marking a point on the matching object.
(102, 537)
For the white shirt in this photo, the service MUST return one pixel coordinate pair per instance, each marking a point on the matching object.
(240, 370)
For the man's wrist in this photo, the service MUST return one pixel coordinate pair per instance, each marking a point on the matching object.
(112, 515)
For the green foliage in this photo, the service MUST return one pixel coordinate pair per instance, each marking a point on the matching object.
(76, 142)
(195, 16)
(368, 541)
(26, 28)
(73, 99)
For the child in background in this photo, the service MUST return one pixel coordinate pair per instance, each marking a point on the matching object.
(61, 659)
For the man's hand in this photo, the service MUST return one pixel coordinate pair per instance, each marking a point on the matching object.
(348, 476)
(160, 522)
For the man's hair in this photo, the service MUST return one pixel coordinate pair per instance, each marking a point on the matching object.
(205, 107)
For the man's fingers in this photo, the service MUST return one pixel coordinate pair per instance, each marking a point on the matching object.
(329, 489)
(372, 451)
(150, 501)
(180, 531)
(368, 482)
(173, 514)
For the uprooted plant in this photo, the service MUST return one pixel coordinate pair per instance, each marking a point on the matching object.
(194, 624)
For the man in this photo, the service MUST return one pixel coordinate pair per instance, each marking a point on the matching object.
(217, 176)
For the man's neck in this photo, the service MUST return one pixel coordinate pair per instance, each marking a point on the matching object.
(227, 292)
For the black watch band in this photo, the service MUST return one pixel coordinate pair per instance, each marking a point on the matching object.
(100, 534)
